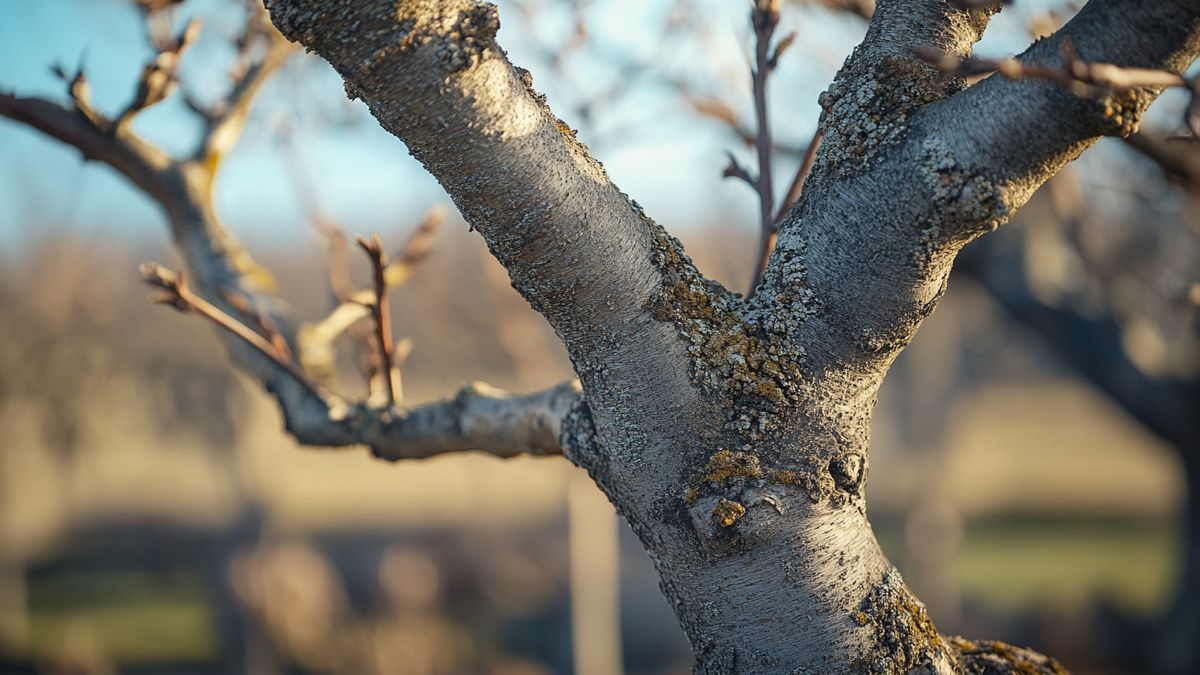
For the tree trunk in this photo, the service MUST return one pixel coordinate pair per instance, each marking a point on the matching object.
(733, 434)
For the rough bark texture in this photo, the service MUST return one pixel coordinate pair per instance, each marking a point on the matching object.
(731, 434)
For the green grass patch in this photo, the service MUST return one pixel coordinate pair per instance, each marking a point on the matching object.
(135, 617)
(1066, 565)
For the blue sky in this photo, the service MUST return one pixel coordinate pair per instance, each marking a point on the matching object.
(649, 141)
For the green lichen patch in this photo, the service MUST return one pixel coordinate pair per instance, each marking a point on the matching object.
(867, 107)
(744, 358)
(905, 637)
(968, 201)
(727, 512)
(990, 657)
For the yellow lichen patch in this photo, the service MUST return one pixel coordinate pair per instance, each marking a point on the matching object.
(726, 513)
(859, 618)
(990, 656)
(725, 465)
(745, 358)
(903, 633)
(564, 128)
(784, 477)
(730, 470)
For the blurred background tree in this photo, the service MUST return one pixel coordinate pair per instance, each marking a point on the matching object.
(154, 519)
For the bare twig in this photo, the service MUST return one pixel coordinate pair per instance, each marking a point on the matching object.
(724, 113)
(158, 80)
(767, 244)
(797, 184)
(764, 17)
(340, 282)
(265, 327)
(225, 124)
(863, 9)
(1080, 77)
(179, 295)
(398, 272)
(418, 247)
(380, 314)
(81, 96)
(735, 170)
(308, 193)
(1179, 163)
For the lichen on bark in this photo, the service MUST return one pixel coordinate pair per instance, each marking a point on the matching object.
(906, 639)
(867, 106)
(992, 657)
(753, 367)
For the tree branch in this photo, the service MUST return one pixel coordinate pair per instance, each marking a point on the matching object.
(873, 238)
(224, 128)
(881, 83)
(1092, 347)
(1178, 161)
(485, 419)
(177, 294)
(143, 164)
(1024, 131)
(221, 288)
(158, 80)
(433, 76)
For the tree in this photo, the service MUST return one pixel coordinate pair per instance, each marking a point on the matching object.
(731, 432)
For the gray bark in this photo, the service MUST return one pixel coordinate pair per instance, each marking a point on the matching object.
(733, 435)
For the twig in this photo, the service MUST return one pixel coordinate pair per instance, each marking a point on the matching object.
(398, 272)
(262, 323)
(158, 80)
(224, 126)
(379, 312)
(1179, 164)
(81, 97)
(764, 17)
(767, 244)
(802, 171)
(306, 190)
(735, 170)
(863, 9)
(418, 247)
(1079, 77)
(179, 295)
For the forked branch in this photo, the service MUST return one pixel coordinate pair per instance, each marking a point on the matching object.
(176, 293)
(478, 418)
(314, 340)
